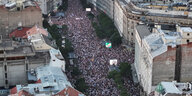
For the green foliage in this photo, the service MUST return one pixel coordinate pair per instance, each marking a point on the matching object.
(65, 28)
(84, 4)
(125, 69)
(53, 30)
(53, 13)
(94, 24)
(90, 16)
(63, 6)
(68, 46)
(112, 74)
(45, 24)
(75, 71)
(124, 92)
(80, 85)
(106, 29)
(116, 39)
(100, 33)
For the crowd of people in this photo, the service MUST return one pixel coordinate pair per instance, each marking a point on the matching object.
(93, 56)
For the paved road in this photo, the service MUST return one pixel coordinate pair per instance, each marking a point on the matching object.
(93, 57)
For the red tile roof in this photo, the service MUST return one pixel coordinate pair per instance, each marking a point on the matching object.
(13, 90)
(38, 81)
(19, 33)
(36, 29)
(69, 91)
(24, 93)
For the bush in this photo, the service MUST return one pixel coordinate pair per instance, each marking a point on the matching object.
(80, 85)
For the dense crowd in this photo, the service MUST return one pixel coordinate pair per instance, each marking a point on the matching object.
(93, 56)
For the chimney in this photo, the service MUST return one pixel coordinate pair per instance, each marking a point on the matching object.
(178, 28)
(19, 26)
(157, 26)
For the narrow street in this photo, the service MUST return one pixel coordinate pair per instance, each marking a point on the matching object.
(93, 57)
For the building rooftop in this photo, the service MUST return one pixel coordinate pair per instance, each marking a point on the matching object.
(53, 82)
(143, 30)
(158, 41)
(50, 79)
(156, 44)
(19, 32)
(12, 6)
(186, 29)
(37, 29)
(174, 88)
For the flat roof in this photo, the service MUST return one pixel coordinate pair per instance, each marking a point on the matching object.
(186, 29)
(143, 31)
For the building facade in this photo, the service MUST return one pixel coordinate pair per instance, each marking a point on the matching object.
(173, 89)
(11, 19)
(48, 6)
(161, 55)
(16, 58)
(127, 15)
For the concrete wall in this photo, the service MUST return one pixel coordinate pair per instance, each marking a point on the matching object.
(2, 78)
(118, 18)
(17, 69)
(16, 76)
(142, 65)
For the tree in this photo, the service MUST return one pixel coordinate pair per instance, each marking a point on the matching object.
(125, 69)
(75, 71)
(45, 24)
(116, 39)
(90, 16)
(81, 85)
(63, 6)
(52, 13)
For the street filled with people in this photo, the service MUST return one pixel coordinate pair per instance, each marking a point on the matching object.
(93, 56)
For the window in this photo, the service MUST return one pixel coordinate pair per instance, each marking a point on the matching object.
(26, 66)
(132, 34)
(188, 34)
(187, 41)
(5, 67)
(5, 75)
(6, 81)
